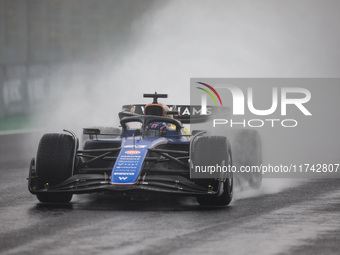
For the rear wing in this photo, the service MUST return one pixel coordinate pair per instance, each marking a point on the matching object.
(186, 113)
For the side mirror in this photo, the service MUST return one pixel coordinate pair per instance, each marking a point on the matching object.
(91, 132)
(198, 132)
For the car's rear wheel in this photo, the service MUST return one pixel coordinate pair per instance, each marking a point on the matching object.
(210, 151)
(54, 164)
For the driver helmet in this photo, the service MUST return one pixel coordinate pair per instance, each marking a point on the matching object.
(156, 129)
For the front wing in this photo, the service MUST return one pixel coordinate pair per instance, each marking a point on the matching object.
(90, 183)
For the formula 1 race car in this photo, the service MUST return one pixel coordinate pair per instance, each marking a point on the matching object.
(151, 153)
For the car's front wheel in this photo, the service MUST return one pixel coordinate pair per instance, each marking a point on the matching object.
(212, 151)
(54, 164)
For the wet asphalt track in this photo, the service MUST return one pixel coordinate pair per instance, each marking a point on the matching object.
(301, 219)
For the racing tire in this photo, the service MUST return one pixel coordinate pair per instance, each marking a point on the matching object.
(247, 149)
(54, 164)
(212, 150)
